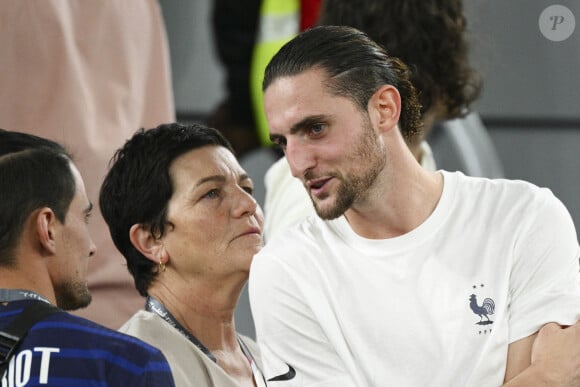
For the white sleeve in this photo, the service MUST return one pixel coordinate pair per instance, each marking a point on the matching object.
(287, 330)
(286, 203)
(545, 279)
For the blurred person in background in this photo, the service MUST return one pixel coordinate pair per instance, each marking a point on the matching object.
(87, 74)
(247, 34)
(234, 26)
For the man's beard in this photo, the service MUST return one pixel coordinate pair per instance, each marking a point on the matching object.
(367, 153)
(72, 295)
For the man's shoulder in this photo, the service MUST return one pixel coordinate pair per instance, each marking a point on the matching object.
(77, 351)
(299, 236)
(81, 333)
(512, 190)
(516, 204)
(292, 249)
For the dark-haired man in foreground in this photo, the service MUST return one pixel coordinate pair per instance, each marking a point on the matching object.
(44, 251)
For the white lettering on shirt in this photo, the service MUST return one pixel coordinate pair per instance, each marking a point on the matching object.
(20, 367)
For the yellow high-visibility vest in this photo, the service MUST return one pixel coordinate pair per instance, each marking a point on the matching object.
(279, 22)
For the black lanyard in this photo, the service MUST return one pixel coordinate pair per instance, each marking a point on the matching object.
(9, 295)
(154, 306)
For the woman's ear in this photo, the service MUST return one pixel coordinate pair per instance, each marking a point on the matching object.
(386, 102)
(46, 224)
(152, 248)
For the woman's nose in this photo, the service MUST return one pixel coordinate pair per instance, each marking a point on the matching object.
(245, 204)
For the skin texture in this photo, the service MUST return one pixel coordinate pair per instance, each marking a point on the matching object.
(52, 256)
(207, 215)
(68, 267)
(555, 354)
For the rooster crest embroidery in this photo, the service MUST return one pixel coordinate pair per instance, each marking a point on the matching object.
(486, 309)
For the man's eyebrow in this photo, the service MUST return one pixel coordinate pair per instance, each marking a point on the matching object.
(306, 123)
(300, 125)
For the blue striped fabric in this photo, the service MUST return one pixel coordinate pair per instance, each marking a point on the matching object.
(68, 351)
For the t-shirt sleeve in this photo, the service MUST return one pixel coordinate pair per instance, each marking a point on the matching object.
(545, 279)
(291, 340)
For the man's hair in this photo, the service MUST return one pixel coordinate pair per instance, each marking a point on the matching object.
(138, 187)
(428, 35)
(356, 67)
(34, 173)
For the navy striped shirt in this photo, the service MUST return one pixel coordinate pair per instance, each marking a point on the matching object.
(68, 351)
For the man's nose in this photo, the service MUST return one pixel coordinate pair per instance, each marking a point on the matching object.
(300, 158)
(93, 249)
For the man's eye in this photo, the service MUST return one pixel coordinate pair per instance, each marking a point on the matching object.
(249, 190)
(280, 142)
(317, 129)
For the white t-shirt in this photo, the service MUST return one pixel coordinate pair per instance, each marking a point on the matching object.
(438, 306)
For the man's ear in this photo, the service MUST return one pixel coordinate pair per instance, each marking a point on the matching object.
(46, 228)
(144, 241)
(386, 106)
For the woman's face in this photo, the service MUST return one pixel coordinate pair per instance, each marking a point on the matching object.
(215, 225)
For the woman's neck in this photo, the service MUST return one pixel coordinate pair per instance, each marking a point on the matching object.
(207, 314)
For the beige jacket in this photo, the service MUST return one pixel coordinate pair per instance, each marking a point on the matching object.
(189, 365)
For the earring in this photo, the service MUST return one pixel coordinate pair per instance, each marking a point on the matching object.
(161, 267)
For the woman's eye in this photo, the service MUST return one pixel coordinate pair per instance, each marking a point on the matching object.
(249, 190)
(212, 194)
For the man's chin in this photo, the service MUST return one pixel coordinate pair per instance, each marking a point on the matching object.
(77, 304)
(328, 211)
(329, 208)
(83, 303)
(73, 297)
